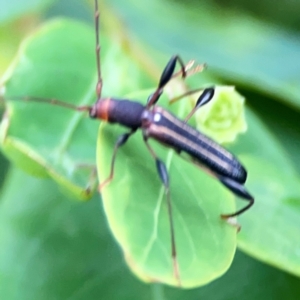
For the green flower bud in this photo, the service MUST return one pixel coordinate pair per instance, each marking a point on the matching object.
(223, 118)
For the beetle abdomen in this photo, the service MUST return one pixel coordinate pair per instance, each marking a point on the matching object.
(173, 132)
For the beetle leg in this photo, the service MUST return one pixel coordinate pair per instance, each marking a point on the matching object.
(190, 70)
(235, 187)
(239, 190)
(122, 139)
(168, 74)
(165, 78)
(164, 177)
(204, 98)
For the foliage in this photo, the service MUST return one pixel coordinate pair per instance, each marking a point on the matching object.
(41, 229)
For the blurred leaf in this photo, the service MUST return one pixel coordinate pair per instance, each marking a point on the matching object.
(282, 121)
(56, 142)
(10, 36)
(14, 9)
(273, 227)
(246, 279)
(286, 16)
(260, 143)
(3, 168)
(61, 146)
(76, 9)
(236, 46)
(54, 248)
(270, 229)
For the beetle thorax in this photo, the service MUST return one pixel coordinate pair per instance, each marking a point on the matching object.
(100, 110)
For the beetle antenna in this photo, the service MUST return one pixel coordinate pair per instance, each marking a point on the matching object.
(99, 83)
(52, 101)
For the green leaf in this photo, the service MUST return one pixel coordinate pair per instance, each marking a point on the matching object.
(51, 141)
(273, 226)
(54, 248)
(270, 229)
(10, 37)
(136, 209)
(67, 73)
(244, 281)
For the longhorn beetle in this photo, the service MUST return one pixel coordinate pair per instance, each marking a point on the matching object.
(159, 124)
